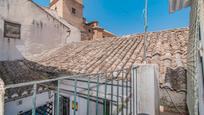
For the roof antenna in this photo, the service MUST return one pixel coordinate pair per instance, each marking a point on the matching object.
(145, 29)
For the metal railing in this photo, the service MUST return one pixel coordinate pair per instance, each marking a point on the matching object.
(115, 91)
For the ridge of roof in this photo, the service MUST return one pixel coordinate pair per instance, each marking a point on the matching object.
(165, 30)
(109, 32)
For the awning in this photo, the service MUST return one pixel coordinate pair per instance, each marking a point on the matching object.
(175, 5)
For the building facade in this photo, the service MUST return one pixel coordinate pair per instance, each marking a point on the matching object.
(28, 29)
(93, 31)
(72, 12)
(195, 65)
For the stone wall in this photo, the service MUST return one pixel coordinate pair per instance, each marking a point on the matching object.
(173, 92)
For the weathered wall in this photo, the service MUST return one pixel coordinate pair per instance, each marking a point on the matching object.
(75, 34)
(74, 19)
(13, 108)
(107, 34)
(2, 92)
(201, 80)
(80, 1)
(92, 31)
(58, 6)
(82, 102)
(39, 30)
(195, 59)
(147, 89)
(173, 93)
(98, 33)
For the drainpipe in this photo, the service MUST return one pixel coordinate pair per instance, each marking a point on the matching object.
(2, 92)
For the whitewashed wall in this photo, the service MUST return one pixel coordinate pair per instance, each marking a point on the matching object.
(146, 92)
(201, 64)
(67, 86)
(39, 30)
(13, 108)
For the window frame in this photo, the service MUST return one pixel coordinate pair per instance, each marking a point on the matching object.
(6, 29)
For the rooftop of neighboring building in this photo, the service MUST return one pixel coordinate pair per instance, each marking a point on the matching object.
(115, 53)
(99, 56)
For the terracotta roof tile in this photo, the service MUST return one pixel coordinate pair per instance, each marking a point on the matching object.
(103, 55)
(115, 53)
(20, 71)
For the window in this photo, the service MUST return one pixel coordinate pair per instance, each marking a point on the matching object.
(89, 30)
(12, 30)
(56, 8)
(73, 11)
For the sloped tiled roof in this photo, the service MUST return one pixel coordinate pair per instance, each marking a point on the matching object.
(21, 71)
(116, 53)
(103, 55)
(13, 72)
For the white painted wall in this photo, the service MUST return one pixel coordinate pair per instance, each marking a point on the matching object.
(75, 34)
(82, 102)
(200, 65)
(39, 30)
(146, 92)
(12, 108)
(147, 96)
(2, 93)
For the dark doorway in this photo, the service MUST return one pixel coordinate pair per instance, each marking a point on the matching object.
(106, 107)
(65, 106)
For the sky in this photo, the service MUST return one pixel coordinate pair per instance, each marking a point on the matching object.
(123, 17)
